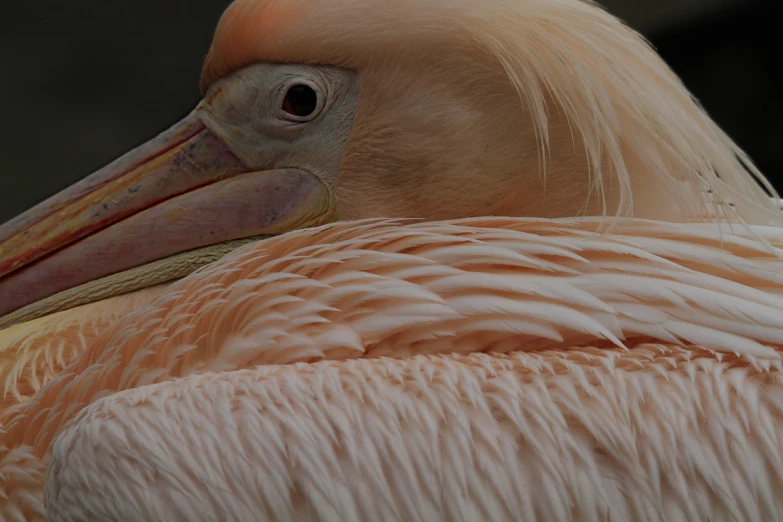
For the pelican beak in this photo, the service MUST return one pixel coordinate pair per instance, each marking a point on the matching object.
(182, 191)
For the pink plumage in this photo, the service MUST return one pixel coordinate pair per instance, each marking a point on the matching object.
(610, 351)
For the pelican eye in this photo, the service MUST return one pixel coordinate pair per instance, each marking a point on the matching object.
(301, 101)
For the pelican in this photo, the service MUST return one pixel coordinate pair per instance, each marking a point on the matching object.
(407, 260)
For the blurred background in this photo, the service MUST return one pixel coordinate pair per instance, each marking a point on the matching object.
(83, 81)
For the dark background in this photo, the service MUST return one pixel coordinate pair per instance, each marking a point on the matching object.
(83, 81)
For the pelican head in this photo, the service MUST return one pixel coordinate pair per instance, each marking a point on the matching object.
(315, 111)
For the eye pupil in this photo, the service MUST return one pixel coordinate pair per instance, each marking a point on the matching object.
(300, 100)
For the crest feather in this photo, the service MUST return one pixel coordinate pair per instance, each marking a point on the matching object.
(644, 136)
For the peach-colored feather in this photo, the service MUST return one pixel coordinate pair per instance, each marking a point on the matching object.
(659, 432)
(32, 353)
(485, 368)
(710, 298)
